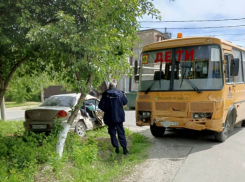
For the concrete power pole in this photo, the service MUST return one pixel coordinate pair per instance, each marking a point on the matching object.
(42, 94)
(3, 110)
(124, 83)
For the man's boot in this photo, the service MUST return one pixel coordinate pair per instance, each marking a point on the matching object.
(125, 150)
(117, 150)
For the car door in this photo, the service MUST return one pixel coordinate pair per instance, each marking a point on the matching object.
(99, 114)
(96, 112)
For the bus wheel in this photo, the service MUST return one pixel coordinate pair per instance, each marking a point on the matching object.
(243, 123)
(223, 135)
(157, 131)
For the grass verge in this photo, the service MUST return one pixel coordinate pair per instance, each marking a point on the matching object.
(32, 157)
(25, 104)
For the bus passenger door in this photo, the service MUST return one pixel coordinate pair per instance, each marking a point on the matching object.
(239, 90)
(229, 83)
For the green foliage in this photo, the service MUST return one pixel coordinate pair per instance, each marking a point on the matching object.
(85, 41)
(87, 36)
(11, 127)
(29, 156)
(24, 87)
(58, 127)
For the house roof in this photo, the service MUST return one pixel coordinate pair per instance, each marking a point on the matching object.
(155, 30)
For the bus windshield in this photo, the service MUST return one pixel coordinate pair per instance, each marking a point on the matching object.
(186, 68)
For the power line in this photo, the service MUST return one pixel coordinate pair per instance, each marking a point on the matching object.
(217, 35)
(197, 27)
(204, 31)
(207, 32)
(192, 20)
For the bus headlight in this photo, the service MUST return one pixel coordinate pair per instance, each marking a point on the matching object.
(144, 114)
(202, 115)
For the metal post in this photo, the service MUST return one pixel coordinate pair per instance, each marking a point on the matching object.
(42, 94)
(124, 84)
(3, 110)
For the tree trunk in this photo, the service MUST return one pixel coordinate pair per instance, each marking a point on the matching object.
(2, 92)
(4, 82)
(63, 134)
(2, 88)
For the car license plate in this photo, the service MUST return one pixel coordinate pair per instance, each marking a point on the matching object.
(169, 123)
(39, 126)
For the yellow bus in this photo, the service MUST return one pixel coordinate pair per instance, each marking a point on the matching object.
(196, 83)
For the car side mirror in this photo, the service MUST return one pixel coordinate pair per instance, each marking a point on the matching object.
(136, 75)
(234, 67)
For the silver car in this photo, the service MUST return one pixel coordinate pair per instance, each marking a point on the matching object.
(58, 107)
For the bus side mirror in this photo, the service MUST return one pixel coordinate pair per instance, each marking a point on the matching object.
(234, 67)
(136, 75)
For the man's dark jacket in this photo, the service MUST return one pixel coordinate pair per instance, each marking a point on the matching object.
(112, 103)
(93, 93)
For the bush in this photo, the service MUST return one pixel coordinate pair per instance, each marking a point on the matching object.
(30, 157)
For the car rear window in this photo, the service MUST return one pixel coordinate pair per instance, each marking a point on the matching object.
(60, 101)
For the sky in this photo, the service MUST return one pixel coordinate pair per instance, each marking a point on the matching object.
(185, 10)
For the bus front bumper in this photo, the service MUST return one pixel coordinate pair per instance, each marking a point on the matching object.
(194, 124)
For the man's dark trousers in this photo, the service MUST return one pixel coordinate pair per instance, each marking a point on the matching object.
(117, 128)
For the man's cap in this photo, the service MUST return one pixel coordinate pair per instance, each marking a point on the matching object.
(113, 82)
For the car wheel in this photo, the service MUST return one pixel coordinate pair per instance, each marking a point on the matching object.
(223, 135)
(80, 128)
(157, 131)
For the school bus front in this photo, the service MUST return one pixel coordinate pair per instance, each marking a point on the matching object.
(181, 85)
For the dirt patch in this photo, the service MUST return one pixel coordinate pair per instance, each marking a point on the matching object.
(165, 159)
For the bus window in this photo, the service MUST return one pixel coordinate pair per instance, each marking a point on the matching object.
(237, 54)
(243, 62)
(228, 78)
(156, 70)
(200, 65)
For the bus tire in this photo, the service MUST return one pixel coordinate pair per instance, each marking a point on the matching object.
(157, 131)
(243, 123)
(223, 135)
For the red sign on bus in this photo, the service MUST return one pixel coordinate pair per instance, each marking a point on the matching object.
(168, 55)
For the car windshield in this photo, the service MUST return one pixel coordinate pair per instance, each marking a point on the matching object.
(60, 101)
(194, 68)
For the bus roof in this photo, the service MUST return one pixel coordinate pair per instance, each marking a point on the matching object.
(188, 41)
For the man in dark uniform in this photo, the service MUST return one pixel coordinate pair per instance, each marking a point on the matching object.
(92, 92)
(112, 103)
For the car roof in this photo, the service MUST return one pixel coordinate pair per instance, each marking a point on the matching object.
(76, 95)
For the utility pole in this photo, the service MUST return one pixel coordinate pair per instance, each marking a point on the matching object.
(3, 110)
(131, 64)
(42, 95)
(124, 83)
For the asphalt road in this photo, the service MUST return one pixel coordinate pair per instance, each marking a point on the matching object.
(190, 156)
(13, 114)
(184, 155)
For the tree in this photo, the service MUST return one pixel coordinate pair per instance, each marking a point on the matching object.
(85, 40)
(25, 87)
(15, 47)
